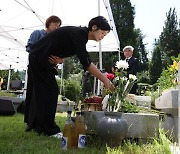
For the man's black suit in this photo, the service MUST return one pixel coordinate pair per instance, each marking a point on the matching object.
(133, 68)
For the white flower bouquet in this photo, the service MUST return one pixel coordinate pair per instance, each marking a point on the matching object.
(113, 101)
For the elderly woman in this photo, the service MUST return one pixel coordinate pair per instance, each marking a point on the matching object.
(52, 23)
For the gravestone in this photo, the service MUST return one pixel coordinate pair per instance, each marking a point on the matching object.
(168, 103)
(140, 125)
(143, 101)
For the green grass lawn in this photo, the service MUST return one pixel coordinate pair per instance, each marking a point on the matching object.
(14, 140)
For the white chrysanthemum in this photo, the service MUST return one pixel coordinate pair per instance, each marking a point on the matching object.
(132, 77)
(122, 64)
(124, 78)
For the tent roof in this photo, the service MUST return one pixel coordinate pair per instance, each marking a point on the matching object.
(19, 18)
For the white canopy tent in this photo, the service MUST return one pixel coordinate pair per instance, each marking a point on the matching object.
(19, 18)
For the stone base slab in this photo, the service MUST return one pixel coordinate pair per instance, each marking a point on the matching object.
(140, 125)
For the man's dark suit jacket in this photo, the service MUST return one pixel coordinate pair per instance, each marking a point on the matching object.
(133, 69)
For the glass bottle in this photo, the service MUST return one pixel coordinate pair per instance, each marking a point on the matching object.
(76, 130)
(82, 132)
(67, 133)
(79, 135)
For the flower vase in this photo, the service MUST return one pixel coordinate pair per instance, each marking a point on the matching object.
(112, 128)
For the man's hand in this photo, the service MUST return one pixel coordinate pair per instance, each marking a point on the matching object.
(55, 60)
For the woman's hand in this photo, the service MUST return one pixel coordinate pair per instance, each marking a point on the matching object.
(109, 85)
(96, 72)
(55, 60)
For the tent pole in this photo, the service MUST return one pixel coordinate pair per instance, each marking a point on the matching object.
(94, 86)
(61, 86)
(25, 83)
(119, 55)
(9, 78)
(100, 66)
(100, 55)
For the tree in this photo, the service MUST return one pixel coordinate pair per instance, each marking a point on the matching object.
(169, 38)
(20, 75)
(155, 65)
(123, 14)
(109, 58)
(71, 66)
(142, 53)
(14, 75)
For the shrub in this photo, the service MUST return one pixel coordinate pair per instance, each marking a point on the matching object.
(168, 77)
(72, 90)
(143, 77)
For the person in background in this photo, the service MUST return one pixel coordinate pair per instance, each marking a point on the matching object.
(63, 42)
(52, 23)
(133, 65)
